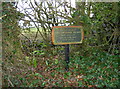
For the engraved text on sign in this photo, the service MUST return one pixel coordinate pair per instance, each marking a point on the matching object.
(67, 35)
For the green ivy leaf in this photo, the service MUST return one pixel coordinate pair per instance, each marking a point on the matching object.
(47, 63)
(56, 61)
(34, 62)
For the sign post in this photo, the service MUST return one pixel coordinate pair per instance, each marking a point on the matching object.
(67, 56)
(65, 35)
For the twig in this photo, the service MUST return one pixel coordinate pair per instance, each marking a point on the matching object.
(10, 82)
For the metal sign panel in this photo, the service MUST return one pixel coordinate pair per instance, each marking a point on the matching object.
(67, 35)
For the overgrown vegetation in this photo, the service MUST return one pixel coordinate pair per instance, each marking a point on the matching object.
(31, 60)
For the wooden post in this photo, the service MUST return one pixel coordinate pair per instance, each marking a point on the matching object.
(67, 57)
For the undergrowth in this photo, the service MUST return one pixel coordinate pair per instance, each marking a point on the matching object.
(96, 69)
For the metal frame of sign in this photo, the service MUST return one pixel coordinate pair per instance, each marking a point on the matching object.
(53, 34)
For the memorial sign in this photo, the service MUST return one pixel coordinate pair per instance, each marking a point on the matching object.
(67, 35)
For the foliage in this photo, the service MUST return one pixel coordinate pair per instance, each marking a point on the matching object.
(94, 63)
(100, 30)
(105, 26)
(99, 69)
(11, 31)
(12, 53)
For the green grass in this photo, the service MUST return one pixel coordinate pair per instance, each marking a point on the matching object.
(31, 33)
(32, 29)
